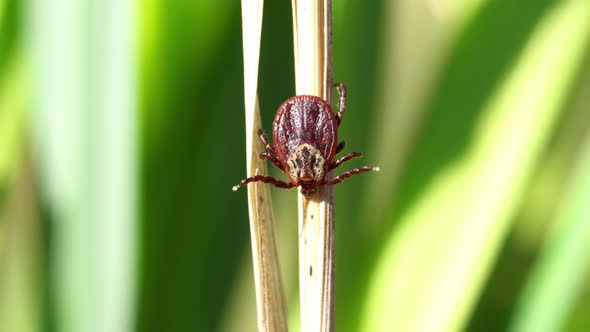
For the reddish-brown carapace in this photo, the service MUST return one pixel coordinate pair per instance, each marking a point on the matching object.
(305, 136)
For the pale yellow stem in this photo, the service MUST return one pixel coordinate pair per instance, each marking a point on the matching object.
(312, 20)
(270, 298)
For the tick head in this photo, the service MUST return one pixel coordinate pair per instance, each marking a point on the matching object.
(308, 188)
(306, 165)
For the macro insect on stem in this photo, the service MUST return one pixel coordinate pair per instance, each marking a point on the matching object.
(305, 136)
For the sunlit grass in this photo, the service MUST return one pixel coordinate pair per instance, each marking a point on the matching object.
(557, 281)
(13, 101)
(83, 135)
(433, 266)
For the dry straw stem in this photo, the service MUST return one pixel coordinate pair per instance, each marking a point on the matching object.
(312, 26)
(270, 299)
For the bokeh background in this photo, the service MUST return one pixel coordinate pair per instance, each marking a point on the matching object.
(122, 133)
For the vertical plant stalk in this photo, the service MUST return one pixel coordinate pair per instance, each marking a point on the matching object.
(312, 27)
(558, 276)
(83, 122)
(20, 254)
(270, 298)
(20, 228)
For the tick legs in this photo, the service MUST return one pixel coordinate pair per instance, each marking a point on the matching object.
(339, 147)
(271, 157)
(341, 100)
(265, 179)
(348, 174)
(343, 159)
(264, 140)
(270, 154)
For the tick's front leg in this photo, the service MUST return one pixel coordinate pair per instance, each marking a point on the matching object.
(265, 179)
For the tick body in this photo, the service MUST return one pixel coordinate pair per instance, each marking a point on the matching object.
(305, 137)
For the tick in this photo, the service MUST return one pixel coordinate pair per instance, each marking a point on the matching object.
(305, 137)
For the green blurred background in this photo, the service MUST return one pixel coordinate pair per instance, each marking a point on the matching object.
(122, 133)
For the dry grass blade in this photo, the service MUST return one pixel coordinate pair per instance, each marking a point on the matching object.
(270, 299)
(312, 22)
